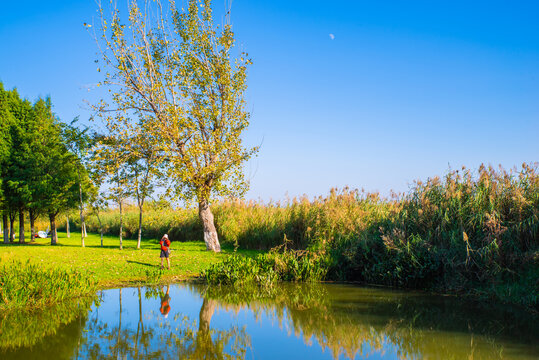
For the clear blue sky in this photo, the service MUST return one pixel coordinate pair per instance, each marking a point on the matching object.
(400, 90)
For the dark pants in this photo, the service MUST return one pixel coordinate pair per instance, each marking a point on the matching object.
(165, 254)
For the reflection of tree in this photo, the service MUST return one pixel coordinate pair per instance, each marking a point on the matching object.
(206, 313)
(52, 332)
(354, 321)
(140, 336)
(119, 341)
(211, 344)
(179, 337)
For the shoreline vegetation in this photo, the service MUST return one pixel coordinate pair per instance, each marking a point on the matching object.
(35, 275)
(470, 233)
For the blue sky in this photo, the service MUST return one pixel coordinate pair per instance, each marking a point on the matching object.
(367, 94)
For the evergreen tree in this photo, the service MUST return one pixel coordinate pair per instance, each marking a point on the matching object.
(15, 179)
(57, 189)
(6, 120)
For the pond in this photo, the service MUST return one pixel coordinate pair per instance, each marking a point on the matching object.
(290, 321)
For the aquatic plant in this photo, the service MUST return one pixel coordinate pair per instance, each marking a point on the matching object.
(268, 268)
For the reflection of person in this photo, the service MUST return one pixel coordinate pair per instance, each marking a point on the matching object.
(165, 305)
(165, 250)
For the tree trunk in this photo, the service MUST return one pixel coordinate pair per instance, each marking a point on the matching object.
(32, 216)
(82, 234)
(139, 227)
(140, 325)
(11, 226)
(206, 313)
(54, 235)
(210, 233)
(68, 233)
(100, 227)
(121, 225)
(84, 230)
(21, 227)
(6, 228)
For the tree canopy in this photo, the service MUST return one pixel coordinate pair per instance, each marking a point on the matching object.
(172, 74)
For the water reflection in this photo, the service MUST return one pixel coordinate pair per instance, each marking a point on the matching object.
(358, 322)
(301, 321)
(165, 303)
(53, 332)
(162, 337)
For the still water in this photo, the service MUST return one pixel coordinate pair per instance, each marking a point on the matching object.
(291, 321)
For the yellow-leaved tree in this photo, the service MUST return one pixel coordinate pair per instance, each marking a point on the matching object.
(173, 70)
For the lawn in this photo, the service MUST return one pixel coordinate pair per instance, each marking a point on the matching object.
(111, 266)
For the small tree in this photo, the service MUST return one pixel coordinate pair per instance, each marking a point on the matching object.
(142, 164)
(79, 142)
(111, 160)
(98, 202)
(179, 74)
(97, 197)
(140, 158)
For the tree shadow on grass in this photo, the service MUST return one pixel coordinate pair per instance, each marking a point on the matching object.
(90, 246)
(142, 263)
(26, 243)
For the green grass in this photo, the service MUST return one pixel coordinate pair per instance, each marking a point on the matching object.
(109, 265)
(26, 284)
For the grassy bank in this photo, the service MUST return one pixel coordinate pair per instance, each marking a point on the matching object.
(108, 266)
(32, 285)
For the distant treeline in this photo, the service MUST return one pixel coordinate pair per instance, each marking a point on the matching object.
(467, 232)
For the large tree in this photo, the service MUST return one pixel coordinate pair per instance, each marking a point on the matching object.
(6, 121)
(60, 184)
(57, 171)
(175, 69)
(16, 184)
(37, 150)
(54, 180)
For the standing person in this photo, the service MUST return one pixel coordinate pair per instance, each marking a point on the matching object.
(165, 250)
